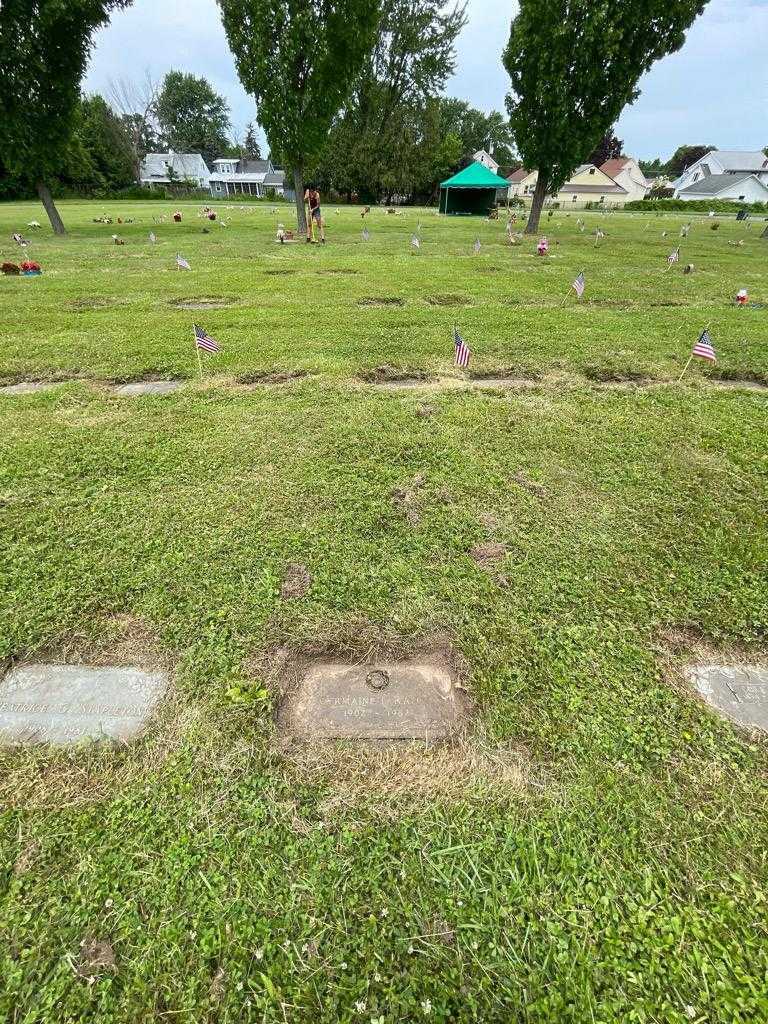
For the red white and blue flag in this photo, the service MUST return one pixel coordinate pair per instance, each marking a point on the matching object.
(204, 341)
(674, 256)
(579, 285)
(704, 347)
(181, 263)
(461, 349)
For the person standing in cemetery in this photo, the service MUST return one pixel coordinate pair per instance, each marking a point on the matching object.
(312, 199)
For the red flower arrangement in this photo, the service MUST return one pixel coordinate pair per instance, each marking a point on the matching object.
(10, 268)
(177, 216)
(31, 269)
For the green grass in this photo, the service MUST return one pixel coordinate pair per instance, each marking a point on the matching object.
(595, 851)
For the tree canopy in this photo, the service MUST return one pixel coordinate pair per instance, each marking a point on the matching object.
(299, 62)
(608, 148)
(191, 116)
(44, 50)
(573, 67)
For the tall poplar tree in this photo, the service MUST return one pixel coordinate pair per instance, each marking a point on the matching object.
(44, 49)
(574, 65)
(299, 60)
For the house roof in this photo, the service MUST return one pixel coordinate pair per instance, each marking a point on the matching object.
(274, 178)
(740, 160)
(715, 183)
(518, 175)
(155, 165)
(475, 176)
(615, 166)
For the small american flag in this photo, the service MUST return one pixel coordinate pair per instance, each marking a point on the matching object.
(152, 237)
(204, 341)
(674, 256)
(704, 347)
(461, 350)
(477, 246)
(579, 285)
(684, 230)
(181, 263)
(415, 241)
(366, 234)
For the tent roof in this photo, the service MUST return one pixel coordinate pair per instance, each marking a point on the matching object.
(475, 176)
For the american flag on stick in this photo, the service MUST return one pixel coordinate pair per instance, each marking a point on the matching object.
(461, 350)
(415, 241)
(579, 285)
(152, 237)
(703, 348)
(477, 246)
(204, 341)
(366, 234)
(674, 256)
(181, 263)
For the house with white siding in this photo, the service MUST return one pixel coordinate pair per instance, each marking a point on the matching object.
(739, 163)
(174, 168)
(233, 177)
(626, 172)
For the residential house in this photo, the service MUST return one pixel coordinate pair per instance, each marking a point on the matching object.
(246, 177)
(739, 188)
(722, 161)
(485, 158)
(515, 182)
(626, 172)
(587, 184)
(169, 168)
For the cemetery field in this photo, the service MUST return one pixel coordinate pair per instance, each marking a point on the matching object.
(592, 847)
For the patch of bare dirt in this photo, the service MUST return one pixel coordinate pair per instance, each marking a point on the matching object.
(387, 374)
(449, 300)
(281, 272)
(381, 301)
(530, 485)
(271, 376)
(296, 582)
(123, 639)
(488, 553)
(331, 272)
(614, 375)
(96, 302)
(96, 957)
(202, 302)
(752, 381)
(145, 377)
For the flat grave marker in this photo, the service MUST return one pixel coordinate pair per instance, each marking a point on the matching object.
(148, 387)
(64, 704)
(26, 387)
(392, 701)
(740, 692)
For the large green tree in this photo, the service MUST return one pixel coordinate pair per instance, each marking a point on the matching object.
(573, 67)
(298, 61)
(191, 116)
(376, 145)
(105, 138)
(44, 49)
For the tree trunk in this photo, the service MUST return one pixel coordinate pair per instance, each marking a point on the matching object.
(50, 208)
(539, 195)
(298, 184)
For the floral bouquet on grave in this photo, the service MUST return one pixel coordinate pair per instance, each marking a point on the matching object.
(10, 268)
(177, 216)
(31, 269)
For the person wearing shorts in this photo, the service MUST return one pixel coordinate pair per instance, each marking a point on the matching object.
(312, 197)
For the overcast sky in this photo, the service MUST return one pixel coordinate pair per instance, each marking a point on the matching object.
(714, 91)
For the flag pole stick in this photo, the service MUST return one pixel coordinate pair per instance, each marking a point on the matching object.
(199, 359)
(690, 358)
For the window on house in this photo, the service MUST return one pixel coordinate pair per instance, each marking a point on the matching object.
(573, 199)
(602, 199)
(741, 198)
(591, 170)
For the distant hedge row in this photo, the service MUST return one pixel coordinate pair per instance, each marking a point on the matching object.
(696, 205)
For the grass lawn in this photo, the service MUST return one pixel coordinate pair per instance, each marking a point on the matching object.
(594, 850)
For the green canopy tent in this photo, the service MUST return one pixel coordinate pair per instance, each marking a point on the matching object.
(472, 190)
